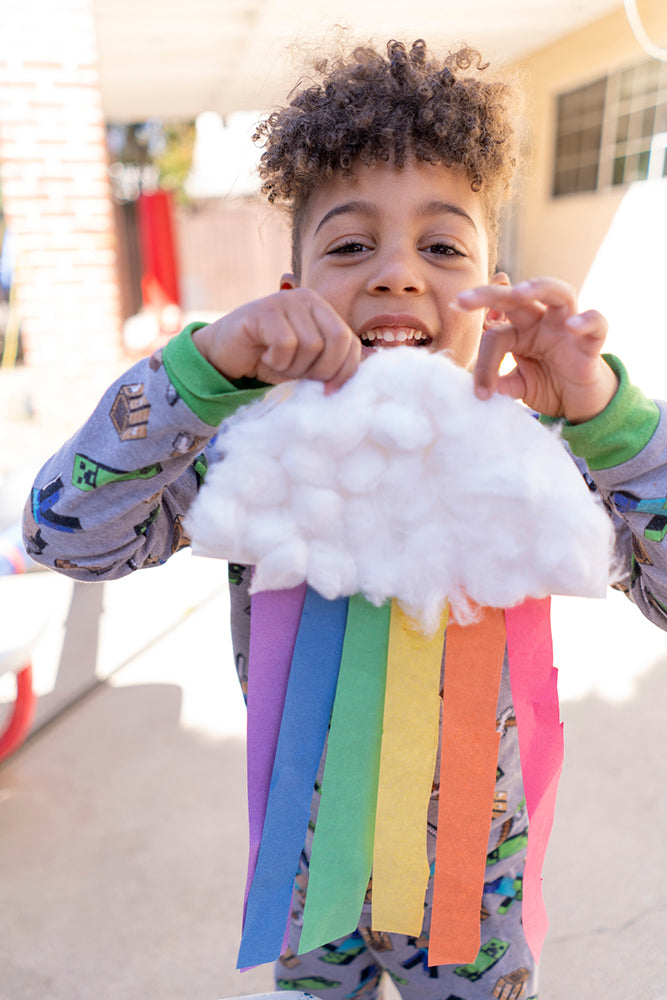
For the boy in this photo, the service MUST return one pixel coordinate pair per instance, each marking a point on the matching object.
(393, 169)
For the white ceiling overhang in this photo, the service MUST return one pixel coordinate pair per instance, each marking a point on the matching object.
(180, 57)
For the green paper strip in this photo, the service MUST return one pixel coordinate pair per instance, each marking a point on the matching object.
(342, 855)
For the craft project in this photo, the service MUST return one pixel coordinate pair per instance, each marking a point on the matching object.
(387, 522)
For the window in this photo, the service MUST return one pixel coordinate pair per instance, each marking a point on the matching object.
(612, 131)
(579, 120)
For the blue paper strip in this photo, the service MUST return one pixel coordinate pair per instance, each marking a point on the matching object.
(342, 854)
(308, 705)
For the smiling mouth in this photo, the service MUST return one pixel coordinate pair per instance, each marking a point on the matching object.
(395, 336)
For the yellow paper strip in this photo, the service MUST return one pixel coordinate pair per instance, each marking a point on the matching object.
(407, 765)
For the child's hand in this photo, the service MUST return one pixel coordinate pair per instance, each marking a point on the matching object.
(292, 334)
(559, 371)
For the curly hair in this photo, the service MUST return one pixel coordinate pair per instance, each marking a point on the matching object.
(368, 108)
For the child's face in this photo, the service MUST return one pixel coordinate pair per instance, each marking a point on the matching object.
(391, 251)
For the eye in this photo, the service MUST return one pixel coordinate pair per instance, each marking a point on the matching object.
(351, 247)
(444, 250)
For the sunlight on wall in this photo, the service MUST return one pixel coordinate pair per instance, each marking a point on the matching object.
(626, 282)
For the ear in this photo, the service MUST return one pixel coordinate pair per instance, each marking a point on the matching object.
(492, 315)
(288, 281)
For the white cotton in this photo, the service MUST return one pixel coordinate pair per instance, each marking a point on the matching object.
(219, 526)
(318, 512)
(307, 463)
(331, 572)
(397, 426)
(403, 485)
(361, 470)
(282, 567)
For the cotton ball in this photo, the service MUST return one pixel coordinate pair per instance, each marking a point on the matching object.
(361, 470)
(346, 428)
(426, 613)
(398, 426)
(371, 541)
(331, 571)
(401, 372)
(380, 569)
(409, 490)
(264, 530)
(378, 580)
(360, 525)
(305, 420)
(259, 479)
(317, 511)
(429, 561)
(284, 567)
(218, 526)
(307, 463)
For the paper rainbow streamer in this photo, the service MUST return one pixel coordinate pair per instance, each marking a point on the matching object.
(359, 679)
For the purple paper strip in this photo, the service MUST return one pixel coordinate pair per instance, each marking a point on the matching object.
(275, 617)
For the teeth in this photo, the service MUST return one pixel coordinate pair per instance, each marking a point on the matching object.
(391, 334)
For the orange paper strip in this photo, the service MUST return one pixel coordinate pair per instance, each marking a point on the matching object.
(409, 748)
(468, 759)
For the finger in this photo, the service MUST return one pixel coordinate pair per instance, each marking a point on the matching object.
(518, 307)
(495, 344)
(589, 324)
(283, 348)
(347, 369)
(512, 384)
(549, 291)
(341, 348)
(292, 335)
(483, 297)
(544, 291)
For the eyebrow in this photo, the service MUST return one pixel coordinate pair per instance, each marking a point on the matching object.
(445, 208)
(427, 208)
(363, 207)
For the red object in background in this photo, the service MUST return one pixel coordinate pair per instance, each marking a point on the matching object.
(22, 712)
(159, 272)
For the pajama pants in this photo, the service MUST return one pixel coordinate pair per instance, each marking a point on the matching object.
(351, 968)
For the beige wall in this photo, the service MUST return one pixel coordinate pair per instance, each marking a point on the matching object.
(560, 236)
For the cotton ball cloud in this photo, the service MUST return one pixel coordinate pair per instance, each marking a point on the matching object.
(402, 485)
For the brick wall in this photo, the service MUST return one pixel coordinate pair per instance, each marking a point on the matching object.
(53, 170)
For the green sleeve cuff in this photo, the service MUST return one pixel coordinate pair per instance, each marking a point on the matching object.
(620, 432)
(209, 394)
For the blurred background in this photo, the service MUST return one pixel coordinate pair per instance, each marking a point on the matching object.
(129, 206)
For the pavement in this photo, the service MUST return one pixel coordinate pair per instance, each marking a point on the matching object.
(123, 823)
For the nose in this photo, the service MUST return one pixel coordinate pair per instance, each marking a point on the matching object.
(396, 272)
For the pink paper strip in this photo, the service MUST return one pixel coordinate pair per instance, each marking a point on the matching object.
(535, 695)
(275, 617)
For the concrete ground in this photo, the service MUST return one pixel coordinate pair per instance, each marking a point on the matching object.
(122, 819)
